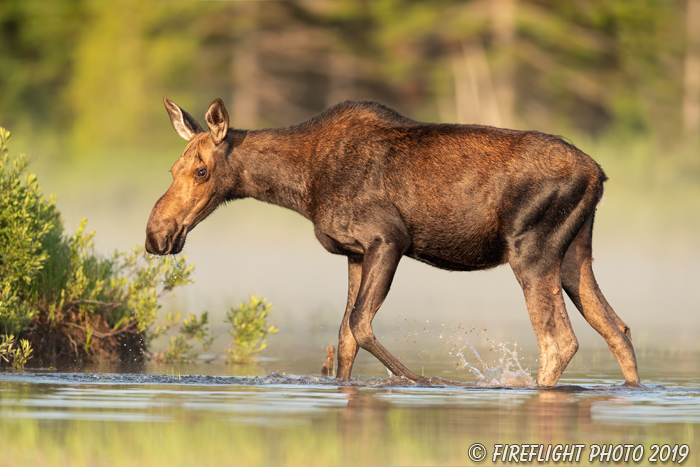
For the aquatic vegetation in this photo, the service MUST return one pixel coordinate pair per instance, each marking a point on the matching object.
(56, 294)
(249, 329)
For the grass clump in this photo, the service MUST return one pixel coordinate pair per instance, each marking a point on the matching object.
(66, 302)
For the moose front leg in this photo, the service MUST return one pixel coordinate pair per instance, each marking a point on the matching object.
(379, 263)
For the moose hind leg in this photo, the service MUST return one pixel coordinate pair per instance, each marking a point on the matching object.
(621, 325)
(580, 284)
(555, 337)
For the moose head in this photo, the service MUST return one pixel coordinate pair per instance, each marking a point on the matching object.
(201, 179)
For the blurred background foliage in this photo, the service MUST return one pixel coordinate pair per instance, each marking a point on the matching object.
(81, 83)
(83, 75)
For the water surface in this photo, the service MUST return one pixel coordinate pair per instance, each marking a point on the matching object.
(162, 416)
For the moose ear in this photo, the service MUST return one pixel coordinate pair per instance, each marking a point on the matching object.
(217, 119)
(185, 125)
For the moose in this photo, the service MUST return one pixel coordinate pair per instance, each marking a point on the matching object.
(378, 186)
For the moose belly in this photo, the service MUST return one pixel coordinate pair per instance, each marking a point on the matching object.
(457, 251)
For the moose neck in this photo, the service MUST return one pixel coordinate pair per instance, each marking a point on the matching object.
(274, 166)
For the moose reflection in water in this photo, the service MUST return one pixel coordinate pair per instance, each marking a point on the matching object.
(378, 186)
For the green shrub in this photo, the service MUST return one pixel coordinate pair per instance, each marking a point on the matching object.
(28, 222)
(55, 292)
(193, 329)
(64, 303)
(17, 356)
(249, 330)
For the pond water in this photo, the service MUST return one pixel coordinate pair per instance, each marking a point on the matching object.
(199, 415)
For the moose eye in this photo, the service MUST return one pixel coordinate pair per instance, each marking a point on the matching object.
(201, 173)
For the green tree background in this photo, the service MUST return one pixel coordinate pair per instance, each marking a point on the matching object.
(90, 70)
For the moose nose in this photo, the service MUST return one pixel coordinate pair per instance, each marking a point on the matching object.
(156, 244)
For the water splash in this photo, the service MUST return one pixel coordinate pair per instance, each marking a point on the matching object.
(507, 372)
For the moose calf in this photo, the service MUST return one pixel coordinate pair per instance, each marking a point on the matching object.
(379, 186)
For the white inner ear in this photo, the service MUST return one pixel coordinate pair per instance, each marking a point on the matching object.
(182, 129)
(183, 123)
